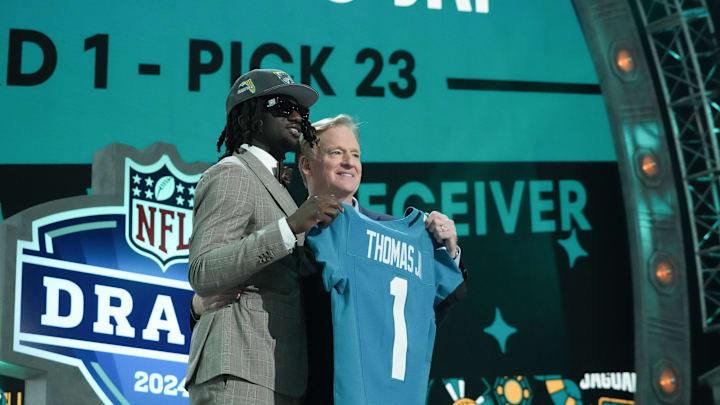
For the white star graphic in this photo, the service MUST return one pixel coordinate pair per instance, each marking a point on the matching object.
(179, 200)
(148, 181)
(148, 194)
(136, 179)
(191, 190)
(136, 191)
(180, 188)
(191, 202)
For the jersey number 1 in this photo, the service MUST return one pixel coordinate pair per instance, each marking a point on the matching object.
(398, 289)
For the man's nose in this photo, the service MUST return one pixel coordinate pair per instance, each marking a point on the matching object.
(295, 116)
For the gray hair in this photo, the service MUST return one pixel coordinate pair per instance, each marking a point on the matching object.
(342, 119)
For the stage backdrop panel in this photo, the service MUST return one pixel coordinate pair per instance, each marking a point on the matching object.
(77, 77)
(486, 110)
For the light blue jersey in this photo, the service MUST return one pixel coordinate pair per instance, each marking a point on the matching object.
(385, 279)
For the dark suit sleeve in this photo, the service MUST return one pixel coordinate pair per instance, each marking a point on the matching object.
(318, 318)
(460, 292)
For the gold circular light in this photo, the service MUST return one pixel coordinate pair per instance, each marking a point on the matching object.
(624, 61)
(513, 392)
(668, 381)
(649, 165)
(665, 272)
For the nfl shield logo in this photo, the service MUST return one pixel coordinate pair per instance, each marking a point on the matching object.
(159, 202)
(100, 281)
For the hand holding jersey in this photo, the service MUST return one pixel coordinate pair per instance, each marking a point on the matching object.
(443, 230)
(320, 210)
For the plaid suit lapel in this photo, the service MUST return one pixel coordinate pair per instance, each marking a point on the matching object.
(276, 190)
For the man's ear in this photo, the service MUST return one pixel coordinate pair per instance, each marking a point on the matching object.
(304, 164)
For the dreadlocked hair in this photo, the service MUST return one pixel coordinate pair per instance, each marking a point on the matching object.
(309, 135)
(243, 121)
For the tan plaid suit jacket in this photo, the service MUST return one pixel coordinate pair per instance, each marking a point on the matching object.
(236, 241)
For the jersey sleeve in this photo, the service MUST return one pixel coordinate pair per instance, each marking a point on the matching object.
(448, 276)
(327, 244)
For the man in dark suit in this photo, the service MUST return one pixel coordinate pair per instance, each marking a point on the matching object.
(245, 231)
(333, 166)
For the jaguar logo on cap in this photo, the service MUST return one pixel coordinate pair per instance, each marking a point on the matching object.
(246, 85)
(284, 77)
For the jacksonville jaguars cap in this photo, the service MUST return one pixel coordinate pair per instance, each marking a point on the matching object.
(268, 82)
